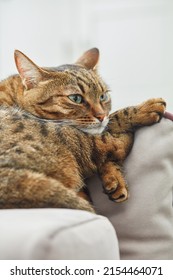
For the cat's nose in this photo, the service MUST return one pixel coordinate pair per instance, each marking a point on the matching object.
(100, 118)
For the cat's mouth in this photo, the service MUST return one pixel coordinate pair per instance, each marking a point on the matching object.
(96, 128)
(91, 128)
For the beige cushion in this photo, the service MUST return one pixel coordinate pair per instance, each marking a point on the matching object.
(144, 224)
(56, 234)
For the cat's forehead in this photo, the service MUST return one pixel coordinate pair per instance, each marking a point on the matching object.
(84, 78)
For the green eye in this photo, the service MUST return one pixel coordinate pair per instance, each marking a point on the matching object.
(104, 97)
(77, 98)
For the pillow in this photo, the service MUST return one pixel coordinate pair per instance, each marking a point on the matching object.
(144, 223)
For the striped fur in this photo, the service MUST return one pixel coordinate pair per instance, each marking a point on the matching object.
(45, 151)
(44, 164)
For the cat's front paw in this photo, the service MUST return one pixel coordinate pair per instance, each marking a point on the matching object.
(116, 189)
(151, 111)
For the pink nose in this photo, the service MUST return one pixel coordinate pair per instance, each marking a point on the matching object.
(101, 118)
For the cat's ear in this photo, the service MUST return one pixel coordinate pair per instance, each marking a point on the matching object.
(29, 72)
(89, 59)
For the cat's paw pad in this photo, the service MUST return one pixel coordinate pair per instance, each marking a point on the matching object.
(120, 195)
(116, 192)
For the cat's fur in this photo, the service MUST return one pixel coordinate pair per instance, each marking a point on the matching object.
(43, 164)
(45, 156)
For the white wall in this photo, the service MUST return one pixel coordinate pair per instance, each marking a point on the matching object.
(41, 29)
(135, 38)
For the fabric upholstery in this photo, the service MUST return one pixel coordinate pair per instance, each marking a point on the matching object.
(56, 234)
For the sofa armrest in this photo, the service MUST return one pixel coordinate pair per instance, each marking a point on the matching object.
(56, 234)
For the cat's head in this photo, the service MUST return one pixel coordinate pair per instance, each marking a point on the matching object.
(72, 93)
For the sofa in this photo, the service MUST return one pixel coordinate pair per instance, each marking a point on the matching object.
(140, 228)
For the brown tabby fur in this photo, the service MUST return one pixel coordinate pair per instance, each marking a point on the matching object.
(45, 155)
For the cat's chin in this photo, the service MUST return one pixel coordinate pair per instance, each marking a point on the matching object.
(95, 129)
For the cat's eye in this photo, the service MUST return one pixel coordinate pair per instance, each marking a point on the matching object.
(77, 98)
(104, 97)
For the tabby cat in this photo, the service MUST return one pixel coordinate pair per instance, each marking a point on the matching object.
(56, 131)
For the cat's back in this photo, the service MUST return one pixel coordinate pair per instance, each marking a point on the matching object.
(11, 89)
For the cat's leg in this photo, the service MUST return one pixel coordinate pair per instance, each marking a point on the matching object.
(130, 118)
(116, 146)
(113, 181)
(27, 189)
(122, 144)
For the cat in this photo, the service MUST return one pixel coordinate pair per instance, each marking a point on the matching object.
(56, 131)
